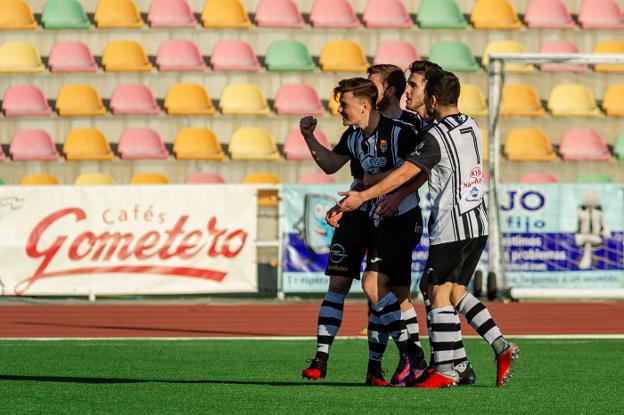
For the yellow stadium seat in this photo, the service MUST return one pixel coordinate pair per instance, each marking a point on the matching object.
(117, 14)
(333, 104)
(253, 144)
(529, 144)
(79, 100)
(188, 99)
(225, 14)
(520, 99)
(197, 144)
(243, 99)
(609, 46)
(506, 46)
(572, 99)
(472, 101)
(613, 102)
(38, 180)
(343, 56)
(265, 197)
(149, 178)
(494, 14)
(20, 57)
(125, 56)
(94, 179)
(16, 14)
(486, 143)
(86, 144)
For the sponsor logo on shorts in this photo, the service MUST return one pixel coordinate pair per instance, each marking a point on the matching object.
(337, 253)
(337, 268)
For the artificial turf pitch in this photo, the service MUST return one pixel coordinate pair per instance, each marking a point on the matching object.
(264, 376)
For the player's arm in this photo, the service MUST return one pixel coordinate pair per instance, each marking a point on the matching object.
(330, 162)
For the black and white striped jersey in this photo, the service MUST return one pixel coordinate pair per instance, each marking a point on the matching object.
(450, 152)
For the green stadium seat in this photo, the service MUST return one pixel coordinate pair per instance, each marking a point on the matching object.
(288, 55)
(453, 55)
(618, 149)
(64, 14)
(1, 181)
(594, 178)
(440, 14)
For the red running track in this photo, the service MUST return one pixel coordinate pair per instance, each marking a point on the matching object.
(283, 319)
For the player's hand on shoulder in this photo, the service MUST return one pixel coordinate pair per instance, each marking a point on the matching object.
(307, 125)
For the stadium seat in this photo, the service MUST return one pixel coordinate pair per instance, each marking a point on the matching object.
(33, 144)
(188, 99)
(299, 99)
(278, 13)
(117, 14)
(295, 147)
(234, 55)
(25, 100)
(396, 52)
(148, 178)
(179, 55)
(618, 149)
(288, 55)
(561, 46)
(204, 178)
(454, 56)
(528, 144)
(343, 56)
(548, 14)
(16, 14)
(472, 101)
(572, 99)
(613, 47)
(170, 13)
(440, 14)
(125, 56)
(94, 179)
(333, 13)
(584, 144)
(601, 14)
(486, 143)
(520, 99)
(267, 198)
(253, 144)
(71, 56)
(64, 14)
(135, 99)
(86, 144)
(315, 178)
(225, 14)
(197, 144)
(79, 100)
(20, 57)
(536, 178)
(39, 180)
(386, 14)
(141, 143)
(613, 101)
(243, 99)
(494, 14)
(333, 104)
(594, 178)
(506, 46)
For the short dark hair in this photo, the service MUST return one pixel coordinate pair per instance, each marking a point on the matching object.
(359, 87)
(444, 86)
(391, 75)
(423, 67)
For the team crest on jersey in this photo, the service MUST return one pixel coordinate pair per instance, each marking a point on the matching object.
(383, 145)
(419, 147)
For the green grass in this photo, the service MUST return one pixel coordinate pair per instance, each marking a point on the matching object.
(253, 376)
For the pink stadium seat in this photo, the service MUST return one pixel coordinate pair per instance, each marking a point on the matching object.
(539, 178)
(315, 178)
(25, 100)
(601, 14)
(179, 55)
(141, 143)
(71, 56)
(234, 55)
(295, 147)
(386, 13)
(549, 14)
(583, 144)
(33, 144)
(333, 13)
(278, 13)
(298, 99)
(561, 46)
(397, 52)
(133, 99)
(204, 178)
(170, 13)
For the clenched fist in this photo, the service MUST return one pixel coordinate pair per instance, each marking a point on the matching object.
(307, 125)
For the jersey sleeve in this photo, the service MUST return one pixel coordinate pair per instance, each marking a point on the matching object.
(342, 147)
(426, 154)
(406, 142)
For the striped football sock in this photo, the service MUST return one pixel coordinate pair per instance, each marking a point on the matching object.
(377, 337)
(445, 333)
(329, 320)
(389, 311)
(480, 319)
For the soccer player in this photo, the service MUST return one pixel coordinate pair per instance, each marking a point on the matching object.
(450, 154)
